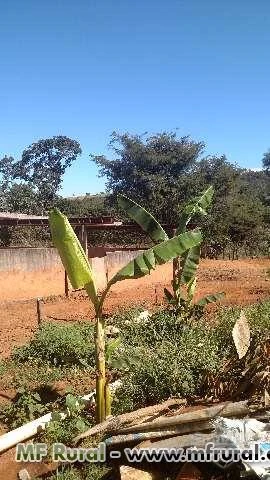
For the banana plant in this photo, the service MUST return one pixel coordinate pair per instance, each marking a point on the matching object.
(81, 275)
(184, 267)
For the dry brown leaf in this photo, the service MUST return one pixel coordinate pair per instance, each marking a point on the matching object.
(241, 335)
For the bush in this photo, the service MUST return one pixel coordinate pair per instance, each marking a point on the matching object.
(69, 344)
(162, 357)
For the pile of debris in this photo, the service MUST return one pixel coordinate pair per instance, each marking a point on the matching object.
(174, 427)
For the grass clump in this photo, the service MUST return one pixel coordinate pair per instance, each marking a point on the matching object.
(68, 344)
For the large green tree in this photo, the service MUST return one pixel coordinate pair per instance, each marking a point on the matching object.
(149, 169)
(44, 163)
(162, 172)
(41, 167)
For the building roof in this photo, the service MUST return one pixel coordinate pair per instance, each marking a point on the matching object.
(13, 219)
(18, 216)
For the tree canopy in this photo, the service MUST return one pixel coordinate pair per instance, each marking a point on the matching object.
(162, 172)
(41, 169)
(149, 168)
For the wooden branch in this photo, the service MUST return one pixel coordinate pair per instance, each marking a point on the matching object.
(172, 432)
(130, 418)
(227, 409)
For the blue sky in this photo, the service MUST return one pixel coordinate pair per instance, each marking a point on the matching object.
(87, 67)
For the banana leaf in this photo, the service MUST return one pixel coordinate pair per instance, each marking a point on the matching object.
(191, 287)
(189, 264)
(143, 218)
(72, 254)
(210, 299)
(198, 206)
(158, 255)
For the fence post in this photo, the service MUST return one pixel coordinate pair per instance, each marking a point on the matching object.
(66, 285)
(39, 311)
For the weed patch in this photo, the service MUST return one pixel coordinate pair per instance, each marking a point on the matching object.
(69, 344)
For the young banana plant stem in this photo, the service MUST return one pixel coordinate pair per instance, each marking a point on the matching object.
(102, 388)
(101, 370)
(100, 360)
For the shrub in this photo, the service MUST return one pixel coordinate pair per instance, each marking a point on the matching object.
(26, 407)
(69, 344)
(161, 357)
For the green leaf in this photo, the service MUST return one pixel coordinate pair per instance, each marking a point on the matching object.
(211, 299)
(73, 403)
(72, 254)
(200, 205)
(191, 287)
(56, 417)
(80, 425)
(157, 255)
(189, 264)
(112, 345)
(146, 221)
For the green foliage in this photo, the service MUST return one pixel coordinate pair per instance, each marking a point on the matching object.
(143, 218)
(185, 265)
(266, 161)
(44, 163)
(86, 205)
(91, 471)
(66, 344)
(248, 376)
(163, 172)
(241, 202)
(26, 407)
(22, 198)
(158, 255)
(72, 254)
(160, 357)
(258, 316)
(197, 206)
(149, 169)
(24, 236)
(80, 274)
(64, 430)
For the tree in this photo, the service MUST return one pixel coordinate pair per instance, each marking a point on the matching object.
(149, 169)
(266, 161)
(44, 163)
(6, 171)
(22, 198)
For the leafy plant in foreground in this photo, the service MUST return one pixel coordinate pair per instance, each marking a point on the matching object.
(81, 276)
(185, 268)
(26, 407)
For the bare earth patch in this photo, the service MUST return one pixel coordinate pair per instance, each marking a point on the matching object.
(243, 281)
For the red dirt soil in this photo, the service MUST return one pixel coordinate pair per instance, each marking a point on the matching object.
(243, 281)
